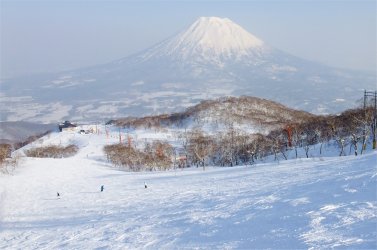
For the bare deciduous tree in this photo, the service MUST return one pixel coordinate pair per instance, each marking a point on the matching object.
(200, 148)
(52, 151)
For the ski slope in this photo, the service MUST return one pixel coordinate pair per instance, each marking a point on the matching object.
(317, 203)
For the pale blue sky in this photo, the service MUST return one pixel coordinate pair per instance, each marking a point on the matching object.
(54, 35)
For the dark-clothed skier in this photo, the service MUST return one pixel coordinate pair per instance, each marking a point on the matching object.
(102, 188)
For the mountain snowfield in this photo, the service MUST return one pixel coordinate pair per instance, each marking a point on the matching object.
(316, 203)
(213, 57)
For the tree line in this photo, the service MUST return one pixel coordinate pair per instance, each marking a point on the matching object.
(350, 130)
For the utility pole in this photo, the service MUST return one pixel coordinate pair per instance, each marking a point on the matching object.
(372, 94)
(120, 137)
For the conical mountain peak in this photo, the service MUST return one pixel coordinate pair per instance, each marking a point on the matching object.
(212, 39)
(213, 57)
(220, 34)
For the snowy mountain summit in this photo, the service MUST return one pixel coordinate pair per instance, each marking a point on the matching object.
(213, 57)
(211, 39)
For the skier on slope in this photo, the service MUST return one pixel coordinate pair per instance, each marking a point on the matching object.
(102, 188)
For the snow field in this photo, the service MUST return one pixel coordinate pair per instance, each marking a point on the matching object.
(317, 203)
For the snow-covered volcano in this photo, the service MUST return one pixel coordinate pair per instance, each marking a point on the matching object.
(213, 57)
(210, 39)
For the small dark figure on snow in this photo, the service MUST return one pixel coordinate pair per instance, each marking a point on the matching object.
(102, 188)
(145, 185)
(57, 194)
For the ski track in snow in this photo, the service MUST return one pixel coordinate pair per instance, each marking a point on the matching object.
(306, 203)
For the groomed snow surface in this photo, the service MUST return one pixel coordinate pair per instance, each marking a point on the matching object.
(317, 203)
